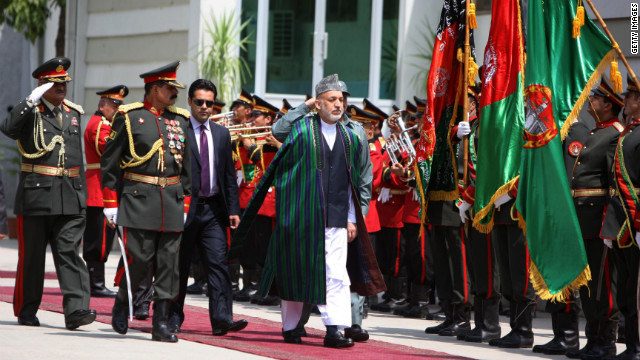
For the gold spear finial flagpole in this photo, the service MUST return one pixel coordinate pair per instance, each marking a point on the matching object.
(615, 44)
(465, 83)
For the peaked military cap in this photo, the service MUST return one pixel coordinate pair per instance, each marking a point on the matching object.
(329, 83)
(410, 108)
(53, 70)
(631, 85)
(165, 73)
(362, 116)
(245, 99)
(606, 90)
(395, 108)
(115, 94)
(368, 106)
(218, 105)
(261, 106)
(344, 88)
(286, 106)
(421, 105)
(474, 91)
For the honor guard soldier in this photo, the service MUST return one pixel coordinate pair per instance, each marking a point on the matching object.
(98, 237)
(51, 197)
(589, 185)
(217, 107)
(622, 221)
(146, 183)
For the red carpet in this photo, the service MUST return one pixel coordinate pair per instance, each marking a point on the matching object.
(12, 275)
(260, 337)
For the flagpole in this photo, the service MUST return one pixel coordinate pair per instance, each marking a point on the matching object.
(465, 101)
(616, 47)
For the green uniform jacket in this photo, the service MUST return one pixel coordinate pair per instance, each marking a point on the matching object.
(140, 205)
(43, 194)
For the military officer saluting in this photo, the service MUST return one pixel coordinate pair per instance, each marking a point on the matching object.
(147, 190)
(50, 201)
(98, 237)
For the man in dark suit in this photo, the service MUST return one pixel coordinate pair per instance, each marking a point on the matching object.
(215, 207)
(50, 201)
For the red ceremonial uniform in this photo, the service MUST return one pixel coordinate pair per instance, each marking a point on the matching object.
(95, 136)
(245, 169)
(375, 151)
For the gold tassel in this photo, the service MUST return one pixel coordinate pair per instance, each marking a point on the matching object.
(616, 77)
(473, 24)
(576, 27)
(580, 14)
(460, 55)
(473, 71)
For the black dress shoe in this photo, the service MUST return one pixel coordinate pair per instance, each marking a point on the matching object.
(242, 295)
(292, 336)
(337, 341)
(557, 346)
(356, 333)
(197, 288)
(222, 327)
(79, 318)
(141, 312)
(103, 292)
(269, 301)
(28, 320)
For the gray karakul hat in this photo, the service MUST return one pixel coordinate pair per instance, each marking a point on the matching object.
(329, 83)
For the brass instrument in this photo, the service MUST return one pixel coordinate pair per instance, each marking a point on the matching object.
(247, 132)
(400, 142)
(223, 119)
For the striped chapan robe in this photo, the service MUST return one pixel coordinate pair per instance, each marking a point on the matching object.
(295, 262)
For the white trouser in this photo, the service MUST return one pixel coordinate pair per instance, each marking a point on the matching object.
(337, 310)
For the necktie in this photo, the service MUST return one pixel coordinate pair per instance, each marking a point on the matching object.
(56, 110)
(205, 181)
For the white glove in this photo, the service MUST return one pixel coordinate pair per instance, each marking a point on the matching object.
(111, 214)
(464, 207)
(37, 93)
(608, 243)
(638, 238)
(385, 195)
(502, 200)
(185, 218)
(464, 129)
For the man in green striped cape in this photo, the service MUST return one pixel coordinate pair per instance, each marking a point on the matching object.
(319, 244)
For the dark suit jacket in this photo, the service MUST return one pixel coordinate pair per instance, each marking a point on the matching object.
(224, 171)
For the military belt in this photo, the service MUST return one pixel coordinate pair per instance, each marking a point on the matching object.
(592, 192)
(153, 180)
(94, 166)
(50, 170)
(394, 191)
(614, 192)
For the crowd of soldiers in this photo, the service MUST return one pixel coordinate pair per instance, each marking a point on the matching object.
(444, 257)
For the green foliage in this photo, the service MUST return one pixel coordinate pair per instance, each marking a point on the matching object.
(424, 47)
(220, 61)
(28, 16)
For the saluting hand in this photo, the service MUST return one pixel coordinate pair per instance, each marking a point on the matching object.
(37, 93)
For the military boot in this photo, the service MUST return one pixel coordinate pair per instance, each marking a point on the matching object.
(486, 320)
(461, 313)
(591, 331)
(447, 308)
(96, 280)
(521, 335)
(160, 330)
(565, 334)
(605, 344)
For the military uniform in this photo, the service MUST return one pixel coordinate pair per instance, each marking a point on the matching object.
(146, 174)
(589, 185)
(51, 200)
(621, 223)
(98, 237)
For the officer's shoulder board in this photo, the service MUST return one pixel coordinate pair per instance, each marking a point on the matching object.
(179, 111)
(128, 107)
(618, 126)
(75, 107)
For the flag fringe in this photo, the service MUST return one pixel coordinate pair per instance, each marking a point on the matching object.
(541, 289)
(595, 77)
(489, 208)
(443, 195)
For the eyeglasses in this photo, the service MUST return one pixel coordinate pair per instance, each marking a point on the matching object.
(199, 102)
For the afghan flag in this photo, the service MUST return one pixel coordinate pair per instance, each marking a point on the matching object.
(502, 112)
(444, 90)
(559, 75)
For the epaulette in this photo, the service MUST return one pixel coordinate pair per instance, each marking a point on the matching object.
(618, 126)
(179, 111)
(128, 107)
(75, 107)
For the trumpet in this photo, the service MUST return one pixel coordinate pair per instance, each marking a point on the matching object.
(243, 133)
(399, 143)
(223, 119)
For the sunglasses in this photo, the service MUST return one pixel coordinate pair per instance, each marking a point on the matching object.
(199, 102)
